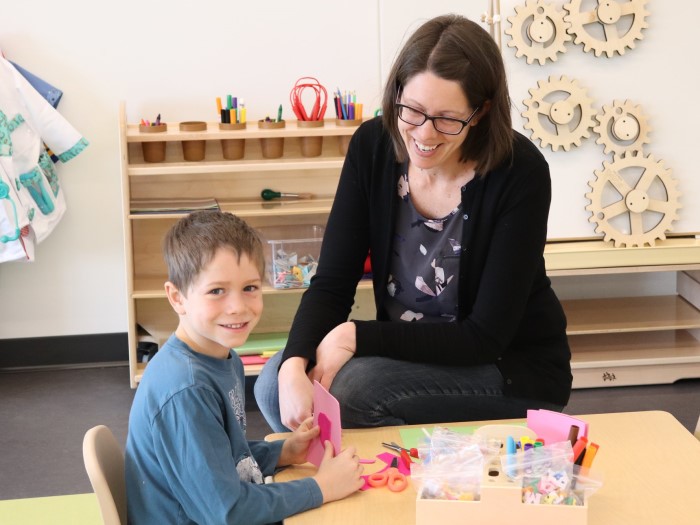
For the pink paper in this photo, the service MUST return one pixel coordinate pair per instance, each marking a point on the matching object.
(327, 417)
(253, 360)
(386, 458)
(554, 426)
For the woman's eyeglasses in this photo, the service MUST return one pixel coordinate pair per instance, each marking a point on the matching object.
(446, 125)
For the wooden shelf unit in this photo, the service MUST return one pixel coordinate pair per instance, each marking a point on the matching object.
(236, 185)
(623, 341)
(614, 341)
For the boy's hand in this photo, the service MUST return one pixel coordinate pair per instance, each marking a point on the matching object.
(339, 476)
(296, 447)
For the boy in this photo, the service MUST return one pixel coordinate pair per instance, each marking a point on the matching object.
(187, 457)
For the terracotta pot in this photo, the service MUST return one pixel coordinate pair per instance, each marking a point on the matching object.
(193, 150)
(311, 146)
(272, 148)
(344, 140)
(153, 151)
(233, 149)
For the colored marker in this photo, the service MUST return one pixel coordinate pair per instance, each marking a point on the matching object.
(588, 458)
(510, 452)
(579, 450)
(573, 434)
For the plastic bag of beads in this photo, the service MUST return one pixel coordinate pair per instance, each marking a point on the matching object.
(447, 480)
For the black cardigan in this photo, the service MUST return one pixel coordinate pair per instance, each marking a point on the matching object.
(508, 312)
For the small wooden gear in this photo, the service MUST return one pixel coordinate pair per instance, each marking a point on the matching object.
(567, 109)
(538, 31)
(622, 127)
(614, 19)
(633, 209)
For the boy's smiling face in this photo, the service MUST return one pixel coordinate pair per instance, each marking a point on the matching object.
(222, 306)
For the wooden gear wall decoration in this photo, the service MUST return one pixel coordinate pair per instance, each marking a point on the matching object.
(622, 127)
(564, 107)
(633, 209)
(538, 31)
(621, 24)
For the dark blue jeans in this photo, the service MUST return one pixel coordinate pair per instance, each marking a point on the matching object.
(377, 391)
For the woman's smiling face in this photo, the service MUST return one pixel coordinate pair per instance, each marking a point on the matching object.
(428, 148)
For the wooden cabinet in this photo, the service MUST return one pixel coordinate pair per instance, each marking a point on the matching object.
(617, 341)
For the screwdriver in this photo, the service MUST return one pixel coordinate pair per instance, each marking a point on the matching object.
(268, 194)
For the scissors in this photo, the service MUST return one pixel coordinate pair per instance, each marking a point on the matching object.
(391, 477)
(406, 454)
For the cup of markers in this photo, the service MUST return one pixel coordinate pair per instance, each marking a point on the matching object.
(272, 147)
(153, 151)
(348, 113)
(233, 118)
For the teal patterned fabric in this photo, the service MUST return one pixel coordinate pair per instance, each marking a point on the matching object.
(6, 128)
(5, 139)
(74, 151)
(34, 182)
(46, 165)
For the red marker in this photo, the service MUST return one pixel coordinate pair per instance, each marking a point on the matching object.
(579, 450)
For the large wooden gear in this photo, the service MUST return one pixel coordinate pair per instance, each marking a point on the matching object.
(564, 107)
(622, 127)
(621, 24)
(633, 209)
(538, 31)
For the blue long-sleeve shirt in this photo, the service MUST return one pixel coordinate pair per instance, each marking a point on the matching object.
(187, 457)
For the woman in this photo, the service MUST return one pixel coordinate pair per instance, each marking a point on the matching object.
(452, 206)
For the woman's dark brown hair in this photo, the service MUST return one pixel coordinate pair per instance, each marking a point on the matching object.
(455, 48)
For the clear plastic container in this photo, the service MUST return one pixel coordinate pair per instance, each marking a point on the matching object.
(291, 254)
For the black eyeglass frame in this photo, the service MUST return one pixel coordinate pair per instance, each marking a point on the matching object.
(427, 117)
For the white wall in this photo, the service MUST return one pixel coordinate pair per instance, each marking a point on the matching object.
(175, 58)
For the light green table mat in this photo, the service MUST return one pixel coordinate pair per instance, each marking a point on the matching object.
(259, 343)
(412, 437)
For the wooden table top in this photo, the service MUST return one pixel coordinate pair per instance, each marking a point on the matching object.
(649, 462)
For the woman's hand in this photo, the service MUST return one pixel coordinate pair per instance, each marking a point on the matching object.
(296, 447)
(336, 349)
(295, 393)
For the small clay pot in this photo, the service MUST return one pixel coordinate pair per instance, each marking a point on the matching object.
(153, 151)
(233, 149)
(193, 150)
(273, 147)
(344, 140)
(311, 146)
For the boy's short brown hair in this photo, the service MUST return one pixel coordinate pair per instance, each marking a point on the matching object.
(191, 243)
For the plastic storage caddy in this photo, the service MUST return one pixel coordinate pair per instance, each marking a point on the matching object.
(500, 503)
(291, 254)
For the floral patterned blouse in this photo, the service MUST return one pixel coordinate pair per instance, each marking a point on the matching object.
(423, 285)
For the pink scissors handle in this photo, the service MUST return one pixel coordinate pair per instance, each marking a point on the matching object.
(391, 477)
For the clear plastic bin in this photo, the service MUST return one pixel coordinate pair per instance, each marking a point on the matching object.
(291, 254)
